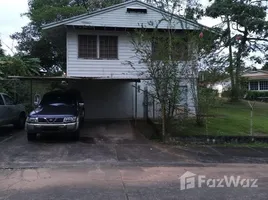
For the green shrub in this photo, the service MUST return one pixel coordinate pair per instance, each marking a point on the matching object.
(226, 93)
(254, 95)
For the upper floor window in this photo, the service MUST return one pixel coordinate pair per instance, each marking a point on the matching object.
(97, 47)
(87, 46)
(108, 47)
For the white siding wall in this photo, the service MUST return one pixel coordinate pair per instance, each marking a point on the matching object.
(106, 99)
(155, 111)
(78, 67)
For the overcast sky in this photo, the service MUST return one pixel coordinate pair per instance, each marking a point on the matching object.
(11, 20)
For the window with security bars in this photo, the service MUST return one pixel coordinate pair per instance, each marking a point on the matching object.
(108, 47)
(87, 46)
(253, 85)
(263, 85)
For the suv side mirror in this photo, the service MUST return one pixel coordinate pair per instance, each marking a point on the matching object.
(37, 100)
(36, 103)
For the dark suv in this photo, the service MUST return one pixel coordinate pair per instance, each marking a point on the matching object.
(58, 112)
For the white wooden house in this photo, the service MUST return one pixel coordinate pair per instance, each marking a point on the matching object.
(257, 80)
(99, 44)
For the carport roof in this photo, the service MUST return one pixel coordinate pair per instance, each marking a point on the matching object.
(62, 78)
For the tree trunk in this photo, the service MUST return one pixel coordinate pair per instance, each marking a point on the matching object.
(238, 70)
(231, 68)
(163, 122)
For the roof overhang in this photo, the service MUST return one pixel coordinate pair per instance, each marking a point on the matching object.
(60, 78)
(256, 77)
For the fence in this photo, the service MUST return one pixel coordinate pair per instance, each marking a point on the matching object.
(244, 118)
(237, 119)
(25, 91)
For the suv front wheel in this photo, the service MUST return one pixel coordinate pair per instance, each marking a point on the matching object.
(20, 123)
(31, 136)
(76, 135)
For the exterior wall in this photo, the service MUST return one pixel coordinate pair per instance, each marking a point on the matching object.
(154, 108)
(106, 99)
(119, 17)
(78, 67)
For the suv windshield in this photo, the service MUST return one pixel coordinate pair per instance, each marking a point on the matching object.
(56, 99)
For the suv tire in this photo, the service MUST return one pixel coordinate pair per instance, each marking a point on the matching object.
(31, 136)
(20, 124)
(76, 135)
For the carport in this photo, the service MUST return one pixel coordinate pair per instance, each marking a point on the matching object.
(105, 98)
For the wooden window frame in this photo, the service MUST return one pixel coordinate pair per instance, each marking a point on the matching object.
(109, 55)
(253, 85)
(83, 55)
(99, 48)
(263, 85)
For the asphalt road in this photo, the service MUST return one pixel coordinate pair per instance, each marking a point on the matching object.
(129, 183)
(112, 161)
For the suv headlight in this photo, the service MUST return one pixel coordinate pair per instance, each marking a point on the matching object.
(32, 120)
(69, 119)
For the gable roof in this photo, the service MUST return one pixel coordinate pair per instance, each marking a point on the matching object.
(76, 21)
(256, 72)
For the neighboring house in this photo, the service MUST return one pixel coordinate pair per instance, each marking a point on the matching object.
(98, 46)
(257, 80)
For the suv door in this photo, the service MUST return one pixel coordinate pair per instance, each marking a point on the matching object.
(11, 113)
(3, 111)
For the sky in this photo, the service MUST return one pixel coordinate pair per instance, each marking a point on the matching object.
(11, 21)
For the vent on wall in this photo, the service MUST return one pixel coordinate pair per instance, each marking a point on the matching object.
(136, 10)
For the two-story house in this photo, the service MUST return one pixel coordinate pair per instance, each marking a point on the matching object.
(98, 46)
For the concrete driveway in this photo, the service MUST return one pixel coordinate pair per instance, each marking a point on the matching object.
(110, 143)
(113, 161)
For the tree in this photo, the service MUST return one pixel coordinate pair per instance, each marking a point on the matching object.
(18, 66)
(265, 66)
(244, 31)
(51, 50)
(168, 55)
(1, 50)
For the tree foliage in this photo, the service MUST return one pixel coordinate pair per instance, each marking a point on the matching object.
(18, 66)
(170, 57)
(2, 53)
(51, 50)
(244, 27)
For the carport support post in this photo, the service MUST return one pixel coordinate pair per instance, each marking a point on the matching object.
(136, 100)
(31, 82)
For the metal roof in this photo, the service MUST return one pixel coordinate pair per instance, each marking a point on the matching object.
(80, 17)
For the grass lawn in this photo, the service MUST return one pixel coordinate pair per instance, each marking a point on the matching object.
(229, 119)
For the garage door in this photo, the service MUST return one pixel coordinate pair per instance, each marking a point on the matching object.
(107, 99)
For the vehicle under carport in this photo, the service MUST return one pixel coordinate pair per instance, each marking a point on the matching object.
(105, 99)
